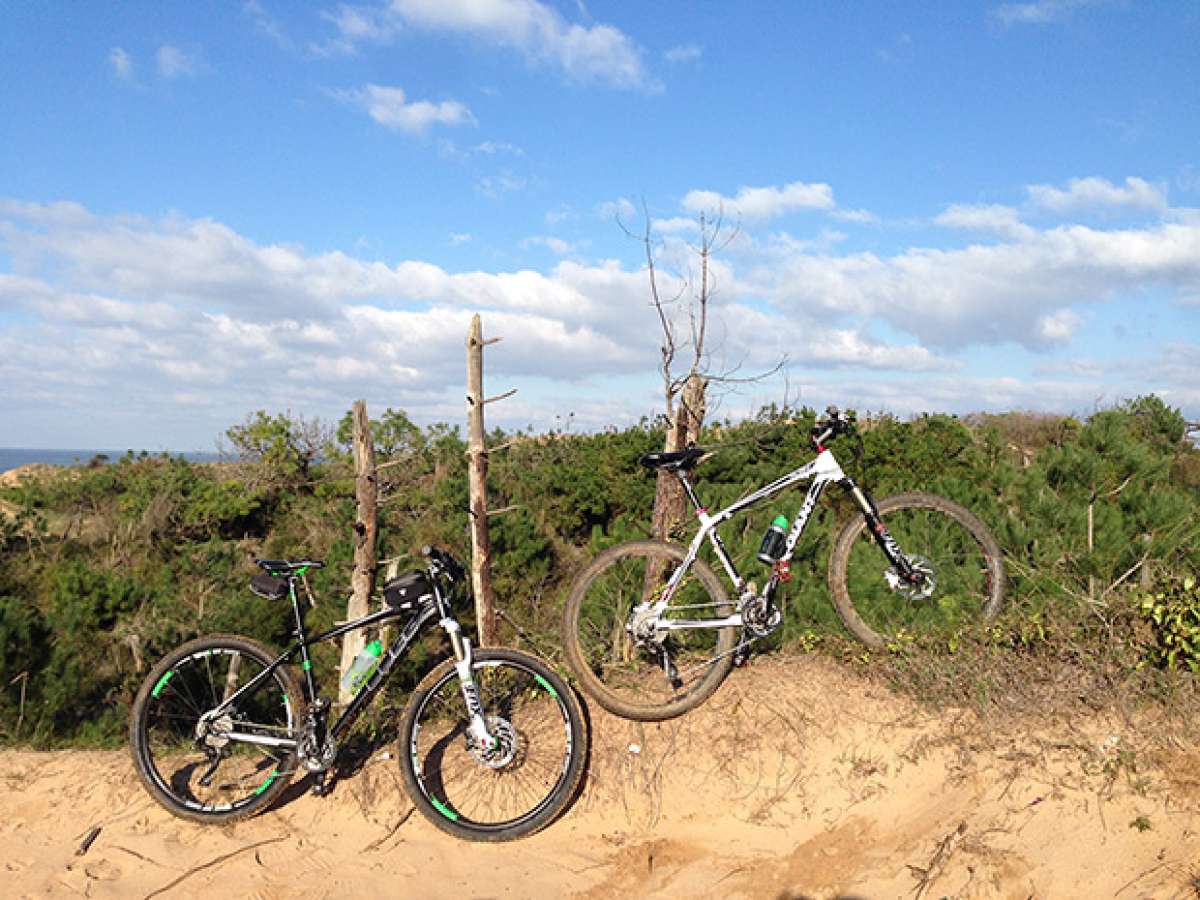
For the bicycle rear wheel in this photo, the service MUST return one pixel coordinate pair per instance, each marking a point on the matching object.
(507, 791)
(631, 678)
(961, 562)
(216, 768)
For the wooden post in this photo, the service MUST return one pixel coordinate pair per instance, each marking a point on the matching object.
(481, 547)
(670, 502)
(366, 527)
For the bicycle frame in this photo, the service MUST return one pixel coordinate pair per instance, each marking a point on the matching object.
(820, 472)
(436, 607)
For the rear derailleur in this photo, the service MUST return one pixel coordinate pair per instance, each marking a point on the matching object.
(646, 636)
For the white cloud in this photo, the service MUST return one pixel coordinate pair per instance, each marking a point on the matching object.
(175, 63)
(858, 216)
(265, 23)
(1039, 12)
(676, 225)
(59, 213)
(983, 294)
(142, 309)
(555, 245)
(502, 183)
(460, 238)
(122, 64)
(684, 53)
(494, 148)
(621, 209)
(389, 107)
(1058, 327)
(756, 204)
(1001, 220)
(1089, 193)
(356, 25)
(600, 53)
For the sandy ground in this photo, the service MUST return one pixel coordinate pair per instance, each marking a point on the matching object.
(797, 780)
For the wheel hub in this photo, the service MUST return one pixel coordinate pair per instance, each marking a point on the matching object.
(504, 745)
(920, 589)
(642, 624)
(214, 732)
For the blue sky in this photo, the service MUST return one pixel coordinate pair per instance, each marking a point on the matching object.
(208, 209)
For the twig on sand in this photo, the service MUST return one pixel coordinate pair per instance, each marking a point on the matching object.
(213, 862)
(1138, 878)
(374, 845)
(140, 856)
(937, 864)
(88, 840)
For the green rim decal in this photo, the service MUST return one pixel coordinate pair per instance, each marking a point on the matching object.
(448, 813)
(302, 570)
(266, 784)
(162, 683)
(544, 683)
(306, 665)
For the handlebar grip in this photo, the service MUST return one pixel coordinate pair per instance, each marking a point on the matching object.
(451, 566)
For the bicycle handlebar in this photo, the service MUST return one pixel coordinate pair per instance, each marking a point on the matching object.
(835, 424)
(443, 562)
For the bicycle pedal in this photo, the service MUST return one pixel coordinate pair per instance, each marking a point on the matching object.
(321, 786)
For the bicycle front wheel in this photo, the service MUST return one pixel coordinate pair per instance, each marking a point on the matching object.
(513, 788)
(208, 764)
(654, 676)
(959, 560)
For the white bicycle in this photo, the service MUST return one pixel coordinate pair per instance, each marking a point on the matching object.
(650, 631)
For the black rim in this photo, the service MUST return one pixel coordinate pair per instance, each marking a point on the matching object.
(936, 542)
(179, 763)
(639, 676)
(515, 784)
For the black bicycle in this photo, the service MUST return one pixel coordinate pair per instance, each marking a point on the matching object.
(650, 631)
(492, 742)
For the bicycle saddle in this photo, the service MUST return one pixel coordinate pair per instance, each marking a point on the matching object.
(285, 567)
(677, 460)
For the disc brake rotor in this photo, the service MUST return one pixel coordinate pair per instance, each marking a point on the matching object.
(504, 751)
(922, 589)
(215, 732)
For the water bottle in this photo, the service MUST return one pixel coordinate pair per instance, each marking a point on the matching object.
(362, 667)
(774, 541)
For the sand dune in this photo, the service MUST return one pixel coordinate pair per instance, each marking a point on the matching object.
(799, 779)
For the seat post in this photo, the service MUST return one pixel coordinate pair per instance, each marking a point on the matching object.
(688, 489)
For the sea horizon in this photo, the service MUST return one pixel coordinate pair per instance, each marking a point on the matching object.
(15, 457)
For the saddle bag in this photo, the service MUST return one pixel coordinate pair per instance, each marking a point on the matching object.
(269, 586)
(406, 591)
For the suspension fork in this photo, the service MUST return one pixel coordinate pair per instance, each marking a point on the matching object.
(477, 725)
(879, 532)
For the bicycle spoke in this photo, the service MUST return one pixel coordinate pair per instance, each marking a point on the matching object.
(961, 575)
(184, 745)
(616, 640)
(492, 789)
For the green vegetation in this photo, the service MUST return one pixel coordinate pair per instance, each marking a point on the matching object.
(104, 569)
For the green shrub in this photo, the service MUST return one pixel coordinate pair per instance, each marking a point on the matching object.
(1174, 611)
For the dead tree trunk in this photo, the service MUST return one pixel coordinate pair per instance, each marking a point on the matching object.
(670, 503)
(481, 546)
(366, 528)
